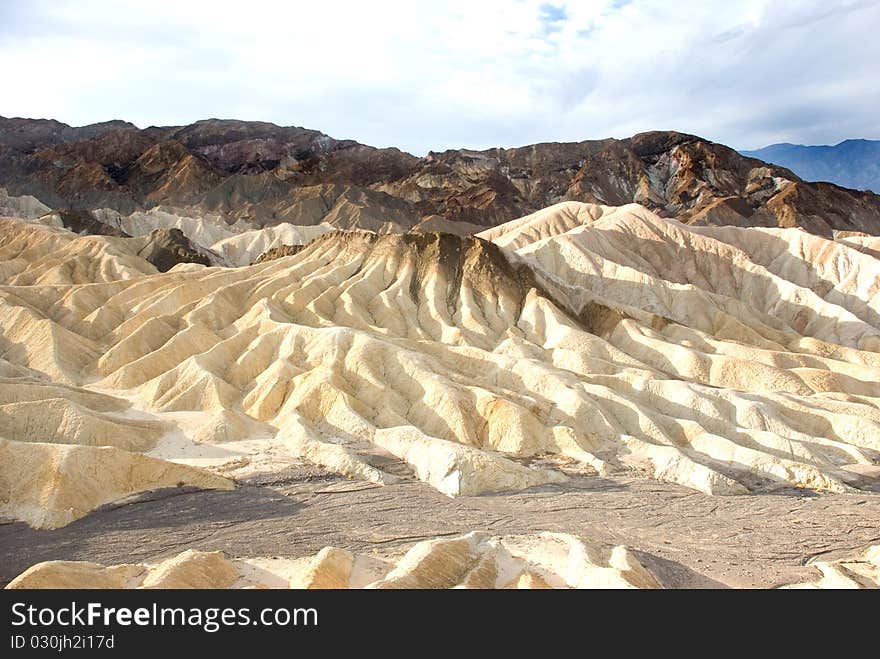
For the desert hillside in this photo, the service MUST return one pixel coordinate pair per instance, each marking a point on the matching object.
(582, 343)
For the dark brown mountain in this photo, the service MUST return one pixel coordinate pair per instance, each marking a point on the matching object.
(268, 174)
(165, 248)
(30, 134)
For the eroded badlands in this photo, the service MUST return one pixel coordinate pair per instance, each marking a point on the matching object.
(473, 561)
(582, 339)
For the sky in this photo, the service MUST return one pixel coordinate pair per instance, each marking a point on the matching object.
(431, 75)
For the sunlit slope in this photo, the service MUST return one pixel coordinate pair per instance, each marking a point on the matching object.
(33, 253)
(472, 561)
(597, 339)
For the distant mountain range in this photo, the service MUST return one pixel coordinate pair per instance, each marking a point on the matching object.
(261, 175)
(853, 163)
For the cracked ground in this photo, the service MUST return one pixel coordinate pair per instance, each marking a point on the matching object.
(689, 539)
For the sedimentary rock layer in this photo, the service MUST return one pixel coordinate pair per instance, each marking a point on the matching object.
(584, 337)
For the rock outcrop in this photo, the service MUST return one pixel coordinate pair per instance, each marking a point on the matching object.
(262, 175)
(473, 561)
(855, 571)
(166, 248)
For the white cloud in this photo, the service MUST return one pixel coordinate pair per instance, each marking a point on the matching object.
(422, 74)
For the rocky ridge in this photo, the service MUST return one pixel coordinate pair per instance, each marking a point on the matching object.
(264, 174)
